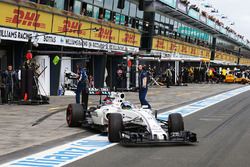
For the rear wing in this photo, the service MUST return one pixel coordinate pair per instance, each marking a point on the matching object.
(99, 91)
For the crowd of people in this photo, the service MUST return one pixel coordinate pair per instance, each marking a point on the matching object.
(20, 84)
(188, 74)
(163, 75)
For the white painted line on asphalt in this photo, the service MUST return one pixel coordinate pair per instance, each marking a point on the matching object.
(210, 119)
(73, 151)
(202, 104)
(64, 154)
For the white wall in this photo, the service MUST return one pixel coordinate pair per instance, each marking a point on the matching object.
(44, 79)
(65, 64)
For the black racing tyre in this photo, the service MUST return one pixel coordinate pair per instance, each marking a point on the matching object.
(74, 115)
(115, 125)
(175, 123)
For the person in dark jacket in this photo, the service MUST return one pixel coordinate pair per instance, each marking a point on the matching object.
(143, 86)
(168, 74)
(82, 84)
(10, 79)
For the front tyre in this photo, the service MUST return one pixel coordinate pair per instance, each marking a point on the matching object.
(175, 123)
(115, 125)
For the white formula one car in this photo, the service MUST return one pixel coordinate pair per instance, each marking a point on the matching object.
(128, 124)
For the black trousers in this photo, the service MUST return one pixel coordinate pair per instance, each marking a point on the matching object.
(168, 81)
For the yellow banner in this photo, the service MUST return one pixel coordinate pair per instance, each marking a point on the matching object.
(172, 47)
(114, 35)
(105, 34)
(137, 42)
(161, 45)
(59, 25)
(85, 30)
(217, 56)
(154, 45)
(200, 52)
(9, 15)
(95, 35)
(208, 54)
(37, 20)
(130, 36)
(188, 50)
(73, 27)
(166, 45)
(122, 37)
(45, 22)
(192, 51)
(28, 19)
(127, 38)
(183, 49)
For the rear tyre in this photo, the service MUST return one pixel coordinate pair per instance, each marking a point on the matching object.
(74, 115)
(115, 125)
(175, 123)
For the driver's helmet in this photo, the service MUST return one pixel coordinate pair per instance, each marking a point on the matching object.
(126, 105)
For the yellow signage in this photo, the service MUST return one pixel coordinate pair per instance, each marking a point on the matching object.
(85, 30)
(154, 44)
(161, 44)
(137, 42)
(115, 35)
(46, 19)
(9, 16)
(105, 34)
(122, 37)
(171, 46)
(72, 27)
(24, 18)
(29, 18)
(59, 25)
(95, 35)
(128, 38)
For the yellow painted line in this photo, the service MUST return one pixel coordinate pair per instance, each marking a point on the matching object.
(153, 93)
(61, 107)
(55, 108)
(183, 94)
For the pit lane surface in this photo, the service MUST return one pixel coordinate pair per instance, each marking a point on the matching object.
(223, 132)
(217, 147)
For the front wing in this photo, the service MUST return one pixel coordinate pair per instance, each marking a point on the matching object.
(132, 138)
